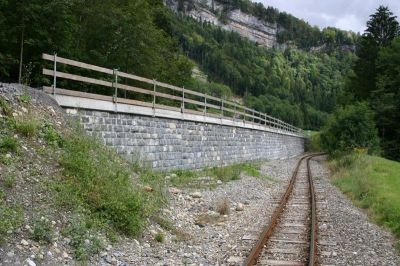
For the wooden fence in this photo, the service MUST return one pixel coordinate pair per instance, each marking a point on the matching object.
(178, 99)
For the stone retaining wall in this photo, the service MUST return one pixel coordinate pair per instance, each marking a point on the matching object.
(166, 144)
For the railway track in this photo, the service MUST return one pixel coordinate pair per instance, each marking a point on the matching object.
(292, 234)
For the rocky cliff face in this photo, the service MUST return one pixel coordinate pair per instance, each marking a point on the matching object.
(246, 25)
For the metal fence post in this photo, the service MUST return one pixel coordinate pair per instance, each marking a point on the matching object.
(115, 84)
(154, 97)
(183, 100)
(205, 104)
(222, 107)
(55, 74)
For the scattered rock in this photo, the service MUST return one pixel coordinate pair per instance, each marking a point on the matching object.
(24, 242)
(196, 195)
(65, 255)
(173, 175)
(219, 182)
(30, 262)
(10, 254)
(148, 189)
(239, 207)
(174, 190)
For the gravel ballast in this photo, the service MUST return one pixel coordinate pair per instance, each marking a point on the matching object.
(347, 236)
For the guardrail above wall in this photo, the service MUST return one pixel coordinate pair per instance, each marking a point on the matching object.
(177, 98)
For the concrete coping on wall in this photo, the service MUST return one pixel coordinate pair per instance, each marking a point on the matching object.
(100, 105)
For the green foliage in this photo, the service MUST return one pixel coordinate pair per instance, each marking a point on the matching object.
(295, 30)
(27, 126)
(25, 98)
(9, 181)
(9, 144)
(133, 36)
(11, 218)
(5, 107)
(98, 179)
(374, 184)
(83, 238)
(375, 77)
(51, 135)
(295, 86)
(159, 237)
(43, 230)
(349, 128)
(382, 26)
(386, 99)
(313, 142)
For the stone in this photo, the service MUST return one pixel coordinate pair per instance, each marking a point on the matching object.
(196, 195)
(65, 255)
(24, 109)
(235, 259)
(219, 182)
(239, 207)
(148, 189)
(173, 175)
(109, 247)
(10, 254)
(49, 254)
(30, 262)
(24, 242)
(174, 190)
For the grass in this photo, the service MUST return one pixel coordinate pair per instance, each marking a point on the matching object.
(96, 178)
(42, 230)
(186, 178)
(11, 217)
(9, 144)
(159, 237)
(9, 181)
(373, 183)
(222, 206)
(27, 126)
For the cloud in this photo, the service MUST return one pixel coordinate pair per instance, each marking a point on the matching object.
(344, 14)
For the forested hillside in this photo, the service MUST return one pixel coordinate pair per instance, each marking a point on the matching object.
(296, 86)
(145, 38)
(130, 35)
(291, 30)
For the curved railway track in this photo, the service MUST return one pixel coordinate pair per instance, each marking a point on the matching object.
(292, 234)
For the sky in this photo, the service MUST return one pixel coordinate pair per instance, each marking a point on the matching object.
(343, 14)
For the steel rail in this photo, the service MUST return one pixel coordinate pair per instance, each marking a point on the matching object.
(268, 231)
(312, 257)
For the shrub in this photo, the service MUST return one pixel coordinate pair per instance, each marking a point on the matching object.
(159, 237)
(98, 178)
(223, 206)
(27, 126)
(349, 128)
(42, 230)
(9, 144)
(10, 218)
(9, 181)
(83, 240)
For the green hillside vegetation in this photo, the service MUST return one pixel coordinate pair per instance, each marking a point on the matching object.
(130, 35)
(293, 30)
(375, 81)
(298, 87)
(374, 184)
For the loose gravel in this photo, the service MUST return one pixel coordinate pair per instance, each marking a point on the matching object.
(201, 236)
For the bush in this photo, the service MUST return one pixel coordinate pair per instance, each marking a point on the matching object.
(27, 126)
(98, 179)
(42, 230)
(9, 144)
(350, 128)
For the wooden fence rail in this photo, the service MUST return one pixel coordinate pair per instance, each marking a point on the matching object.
(208, 105)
